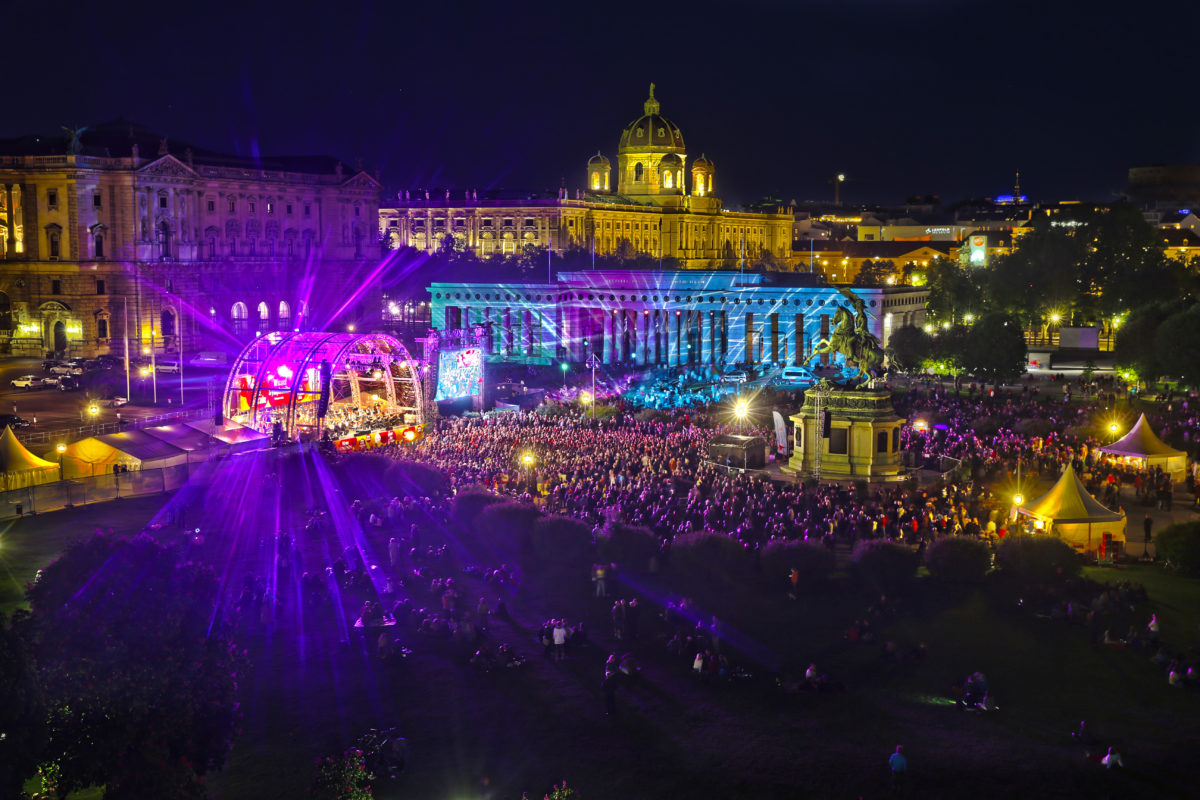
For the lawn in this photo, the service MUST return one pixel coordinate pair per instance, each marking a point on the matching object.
(315, 686)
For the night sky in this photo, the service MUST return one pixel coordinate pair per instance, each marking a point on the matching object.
(915, 97)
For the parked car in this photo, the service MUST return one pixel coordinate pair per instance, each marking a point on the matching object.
(52, 380)
(28, 382)
(66, 369)
(49, 364)
(117, 402)
(12, 420)
(68, 383)
(170, 367)
(107, 361)
(736, 376)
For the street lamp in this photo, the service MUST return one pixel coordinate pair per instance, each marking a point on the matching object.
(563, 366)
(94, 411)
(594, 362)
(1114, 429)
(740, 410)
(61, 448)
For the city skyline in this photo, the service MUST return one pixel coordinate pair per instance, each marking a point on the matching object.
(936, 97)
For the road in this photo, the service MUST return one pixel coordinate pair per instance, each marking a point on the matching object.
(52, 410)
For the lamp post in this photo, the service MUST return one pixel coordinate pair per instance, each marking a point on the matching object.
(1114, 429)
(94, 412)
(593, 362)
(740, 410)
(563, 366)
(61, 448)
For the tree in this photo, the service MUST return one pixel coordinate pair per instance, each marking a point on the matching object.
(140, 681)
(1135, 347)
(909, 348)
(994, 349)
(22, 707)
(948, 346)
(952, 291)
(1040, 276)
(1177, 346)
(874, 273)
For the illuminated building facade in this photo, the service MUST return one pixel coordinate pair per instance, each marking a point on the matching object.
(653, 203)
(703, 317)
(115, 222)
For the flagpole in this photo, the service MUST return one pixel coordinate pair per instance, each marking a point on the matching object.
(125, 336)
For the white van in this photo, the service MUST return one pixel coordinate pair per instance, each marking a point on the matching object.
(797, 375)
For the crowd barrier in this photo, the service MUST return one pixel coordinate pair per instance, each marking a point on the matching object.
(97, 489)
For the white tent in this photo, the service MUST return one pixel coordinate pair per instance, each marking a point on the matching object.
(1070, 513)
(97, 455)
(1145, 449)
(236, 436)
(21, 468)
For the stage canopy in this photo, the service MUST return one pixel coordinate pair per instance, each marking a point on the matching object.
(309, 382)
(183, 437)
(97, 455)
(1070, 513)
(21, 468)
(230, 434)
(1145, 449)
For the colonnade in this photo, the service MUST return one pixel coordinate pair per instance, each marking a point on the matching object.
(658, 336)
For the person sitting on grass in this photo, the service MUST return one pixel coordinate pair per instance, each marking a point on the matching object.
(1112, 759)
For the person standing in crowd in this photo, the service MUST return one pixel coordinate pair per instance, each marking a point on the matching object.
(898, 765)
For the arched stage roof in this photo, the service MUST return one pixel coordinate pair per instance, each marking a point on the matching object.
(277, 378)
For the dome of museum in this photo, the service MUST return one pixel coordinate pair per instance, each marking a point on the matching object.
(651, 130)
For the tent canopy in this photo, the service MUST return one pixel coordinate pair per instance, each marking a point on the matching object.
(1141, 442)
(1069, 502)
(21, 468)
(97, 455)
(181, 436)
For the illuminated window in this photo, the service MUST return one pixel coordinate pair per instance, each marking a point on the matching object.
(595, 181)
(253, 205)
(270, 207)
(668, 180)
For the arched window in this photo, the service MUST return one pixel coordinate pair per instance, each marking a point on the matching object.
(595, 181)
(101, 327)
(98, 245)
(668, 180)
(212, 247)
(285, 315)
(264, 317)
(637, 171)
(6, 315)
(167, 322)
(240, 314)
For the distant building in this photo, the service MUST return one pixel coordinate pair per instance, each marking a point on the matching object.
(191, 246)
(1165, 186)
(653, 203)
(638, 317)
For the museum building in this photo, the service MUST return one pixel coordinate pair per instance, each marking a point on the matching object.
(194, 248)
(709, 317)
(654, 203)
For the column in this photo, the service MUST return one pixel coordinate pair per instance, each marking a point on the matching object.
(775, 354)
(621, 324)
(735, 341)
(706, 337)
(643, 350)
(608, 335)
(527, 332)
(507, 332)
(673, 321)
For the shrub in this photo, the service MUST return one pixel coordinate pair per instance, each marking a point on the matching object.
(884, 567)
(653, 415)
(1037, 559)
(507, 526)
(341, 778)
(1180, 544)
(416, 479)
(711, 568)
(629, 546)
(469, 502)
(814, 561)
(562, 541)
(1035, 426)
(958, 559)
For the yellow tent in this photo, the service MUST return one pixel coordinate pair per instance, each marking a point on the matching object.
(1146, 450)
(1073, 515)
(20, 467)
(97, 455)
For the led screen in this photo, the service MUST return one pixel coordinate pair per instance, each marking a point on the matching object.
(460, 373)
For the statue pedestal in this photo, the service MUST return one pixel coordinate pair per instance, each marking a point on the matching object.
(861, 439)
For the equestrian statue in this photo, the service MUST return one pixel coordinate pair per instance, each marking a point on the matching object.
(853, 340)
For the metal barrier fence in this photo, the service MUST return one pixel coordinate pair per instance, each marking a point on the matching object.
(30, 436)
(81, 491)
